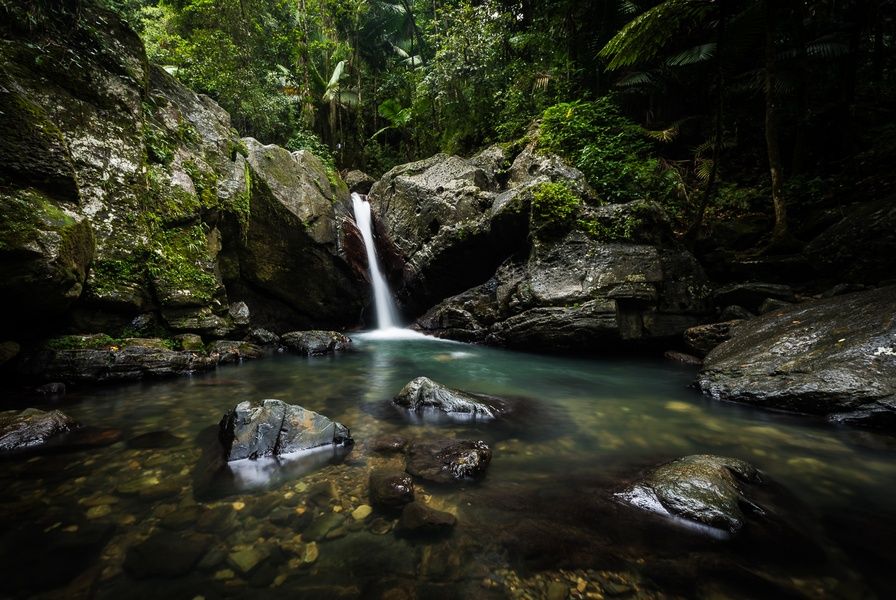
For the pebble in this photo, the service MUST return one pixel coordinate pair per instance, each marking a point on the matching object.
(224, 575)
(362, 512)
(99, 511)
(238, 505)
(311, 553)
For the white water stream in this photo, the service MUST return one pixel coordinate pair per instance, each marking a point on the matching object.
(386, 314)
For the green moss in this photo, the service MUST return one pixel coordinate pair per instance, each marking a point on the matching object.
(26, 212)
(616, 229)
(81, 342)
(108, 276)
(554, 207)
(175, 262)
(158, 148)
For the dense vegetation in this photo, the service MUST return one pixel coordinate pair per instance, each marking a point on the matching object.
(711, 108)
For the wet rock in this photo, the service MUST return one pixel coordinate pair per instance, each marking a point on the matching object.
(390, 488)
(705, 489)
(735, 312)
(189, 341)
(681, 357)
(274, 427)
(770, 304)
(359, 182)
(417, 518)
(136, 358)
(389, 443)
(165, 554)
(264, 337)
(181, 519)
(703, 338)
(239, 312)
(448, 461)
(423, 392)
(362, 512)
(51, 389)
(32, 428)
(228, 351)
(752, 295)
(834, 356)
(316, 343)
(85, 438)
(247, 559)
(323, 526)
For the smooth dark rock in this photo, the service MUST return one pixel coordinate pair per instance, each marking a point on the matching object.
(734, 313)
(165, 555)
(51, 389)
(316, 343)
(264, 337)
(703, 338)
(274, 427)
(423, 392)
(228, 351)
(701, 488)
(448, 461)
(834, 356)
(32, 428)
(417, 518)
(359, 182)
(770, 304)
(390, 488)
(681, 357)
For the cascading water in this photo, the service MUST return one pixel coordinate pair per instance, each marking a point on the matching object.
(386, 318)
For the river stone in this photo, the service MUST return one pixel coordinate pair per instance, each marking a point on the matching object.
(165, 554)
(32, 427)
(834, 357)
(190, 342)
(390, 488)
(316, 343)
(232, 351)
(423, 392)
(703, 338)
(448, 461)
(264, 337)
(274, 427)
(701, 488)
(419, 518)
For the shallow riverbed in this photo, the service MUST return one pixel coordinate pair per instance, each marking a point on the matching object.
(135, 519)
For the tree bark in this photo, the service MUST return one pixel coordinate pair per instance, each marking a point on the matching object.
(771, 125)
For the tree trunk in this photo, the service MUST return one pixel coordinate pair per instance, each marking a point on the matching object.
(771, 125)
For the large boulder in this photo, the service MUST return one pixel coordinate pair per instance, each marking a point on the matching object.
(615, 275)
(833, 357)
(390, 488)
(705, 489)
(294, 235)
(31, 428)
(422, 393)
(448, 461)
(273, 427)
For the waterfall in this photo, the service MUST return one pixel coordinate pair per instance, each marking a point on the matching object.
(382, 298)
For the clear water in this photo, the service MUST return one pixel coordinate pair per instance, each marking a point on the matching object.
(543, 516)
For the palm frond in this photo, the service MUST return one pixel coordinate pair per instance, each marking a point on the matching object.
(691, 56)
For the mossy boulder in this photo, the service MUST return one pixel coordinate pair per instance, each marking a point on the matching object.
(45, 250)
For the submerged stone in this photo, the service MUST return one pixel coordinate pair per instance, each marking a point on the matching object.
(448, 461)
(421, 519)
(701, 488)
(31, 428)
(274, 427)
(423, 393)
(390, 488)
(165, 554)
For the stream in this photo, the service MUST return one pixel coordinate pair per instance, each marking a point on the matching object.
(134, 519)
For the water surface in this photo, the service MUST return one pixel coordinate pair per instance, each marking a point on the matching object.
(87, 523)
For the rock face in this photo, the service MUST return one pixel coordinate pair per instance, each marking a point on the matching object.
(123, 193)
(703, 338)
(274, 427)
(608, 273)
(448, 461)
(390, 488)
(705, 489)
(316, 343)
(834, 357)
(31, 427)
(99, 360)
(422, 393)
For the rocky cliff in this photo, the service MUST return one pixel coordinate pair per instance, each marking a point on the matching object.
(130, 205)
